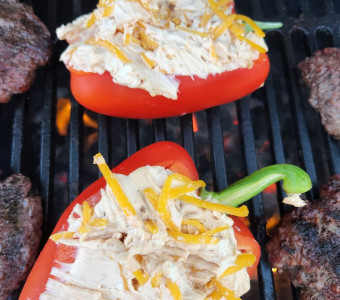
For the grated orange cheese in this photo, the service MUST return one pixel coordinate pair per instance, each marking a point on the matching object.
(169, 193)
(104, 3)
(147, 42)
(99, 222)
(235, 211)
(222, 3)
(141, 278)
(110, 47)
(227, 293)
(151, 226)
(251, 23)
(213, 5)
(149, 62)
(205, 18)
(91, 20)
(152, 196)
(215, 295)
(108, 10)
(62, 235)
(174, 290)
(193, 239)
(126, 286)
(219, 29)
(213, 52)
(193, 222)
(252, 44)
(127, 39)
(236, 29)
(187, 186)
(243, 260)
(156, 280)
(202, 34)
(114, 185)
(87, 214)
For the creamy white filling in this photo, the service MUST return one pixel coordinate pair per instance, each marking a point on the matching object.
(178, 52)
(103, 255)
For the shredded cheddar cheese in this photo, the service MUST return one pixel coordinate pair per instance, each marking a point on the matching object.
(91, 20)
(213, 52)
(127, 39)
(99, 222)
(243, 260)
(147, 42)
(222, 3)
(174, 290)
(229, 294)
(202, 34)
(151, 196)
(251, 23)
(126, 286)
(193, 239)
(235, 211)
(151, 226)
(236, 29)
(149, 62)
(252, 44)
(156, 280)
(219, 29)
(213, 5)
(205, 18)
(62, 235)
(141, 277)
(113, 183)
(199, 225)
(110, 47)
(108, 10)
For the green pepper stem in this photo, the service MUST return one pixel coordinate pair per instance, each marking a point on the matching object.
(295, 181)
(264, 25)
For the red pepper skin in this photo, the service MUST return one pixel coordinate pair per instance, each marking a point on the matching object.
(166, 154)
(100, 94)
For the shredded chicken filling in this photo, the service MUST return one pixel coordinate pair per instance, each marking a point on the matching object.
(137, 244)
(145, 43)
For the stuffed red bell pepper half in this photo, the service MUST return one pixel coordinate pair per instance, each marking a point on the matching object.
(162, 58)
(150, 230)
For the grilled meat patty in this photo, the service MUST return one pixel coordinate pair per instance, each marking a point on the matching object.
(307, 244)
(321, 72)
(20, 232)
(24, 46)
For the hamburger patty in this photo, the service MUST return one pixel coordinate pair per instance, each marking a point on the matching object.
(24, 46)
(20, 232)
(321, 72)
(307, 244)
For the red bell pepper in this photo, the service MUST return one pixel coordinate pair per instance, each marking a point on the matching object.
(175, 158)
(100, 94)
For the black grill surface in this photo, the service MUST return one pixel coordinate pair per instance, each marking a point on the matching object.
(273, 125)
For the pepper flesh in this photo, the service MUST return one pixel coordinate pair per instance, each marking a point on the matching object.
(100, 94)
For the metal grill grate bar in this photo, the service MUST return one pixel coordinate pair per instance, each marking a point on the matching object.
(75, 151)
(17, 135)
(159, 130)
(132, 136)
(187, 134)
(47, 151)
(217, 149)
(103, 139)
(257, 219)
(303, 137)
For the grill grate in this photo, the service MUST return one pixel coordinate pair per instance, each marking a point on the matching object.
(274, 125)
